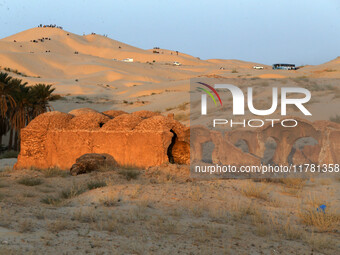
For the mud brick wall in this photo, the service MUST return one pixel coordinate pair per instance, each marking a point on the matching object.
(141, 139)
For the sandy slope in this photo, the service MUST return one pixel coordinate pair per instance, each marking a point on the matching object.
(163, 211)
(97, 72)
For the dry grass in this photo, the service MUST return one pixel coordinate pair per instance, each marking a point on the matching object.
(55, 172)
(71, 192)
(266, 224)
(314, 199)
(170, 109)
(5, 170)
(136, 191)
(241, 210)
(25, 226)
(323, 221)
(40, 214)
(163, 224)
(294, 183)
(274, 202)
(293, 186)
(203, 213)
(290, 231)
(329, 70)
(66, 193)
(106, 168)
(85, 215)
(29, 181)
(320, 242)
(285, 227)
(254, 190)
(59, 225)
(196, 193)
(176, 213)
(111, 199)
(183, 106)
(197, 211)
(51, 200)
(95, 184)
(129, 173)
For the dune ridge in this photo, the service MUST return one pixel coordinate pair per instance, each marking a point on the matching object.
(91, 66)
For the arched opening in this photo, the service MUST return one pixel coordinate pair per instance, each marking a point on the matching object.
(299, 144)
(270, 148)
(207, 150)
(178, 151)
(243, 145)
(169, 151)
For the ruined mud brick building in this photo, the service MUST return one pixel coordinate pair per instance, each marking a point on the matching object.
(141, 139)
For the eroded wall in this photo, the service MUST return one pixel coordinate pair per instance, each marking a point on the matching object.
(139, 139)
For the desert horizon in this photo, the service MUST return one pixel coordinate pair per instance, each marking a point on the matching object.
(97, 76)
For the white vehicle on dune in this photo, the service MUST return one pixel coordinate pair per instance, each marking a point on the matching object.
(128, 60)
(258, 67)
(176, 63)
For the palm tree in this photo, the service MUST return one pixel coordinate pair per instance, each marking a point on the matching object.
(4, 127)
(6, 99)
(6, 102)
(40, 95)
(19, 104)
(19, 115)
(31, 102)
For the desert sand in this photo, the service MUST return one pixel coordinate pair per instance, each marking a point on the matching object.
(97, 77)
(161, 210)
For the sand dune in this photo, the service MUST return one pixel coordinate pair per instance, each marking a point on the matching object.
(329, 69)
(91, 66)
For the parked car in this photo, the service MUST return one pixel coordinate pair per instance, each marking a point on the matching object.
(128, 60)
(258, 67)
(176, 63)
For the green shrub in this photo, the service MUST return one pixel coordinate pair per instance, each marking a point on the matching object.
(50, 200)
(29, 181)
(67, 193)
(74, 191)
(95, 184)
(9, 154)
(129, 173)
